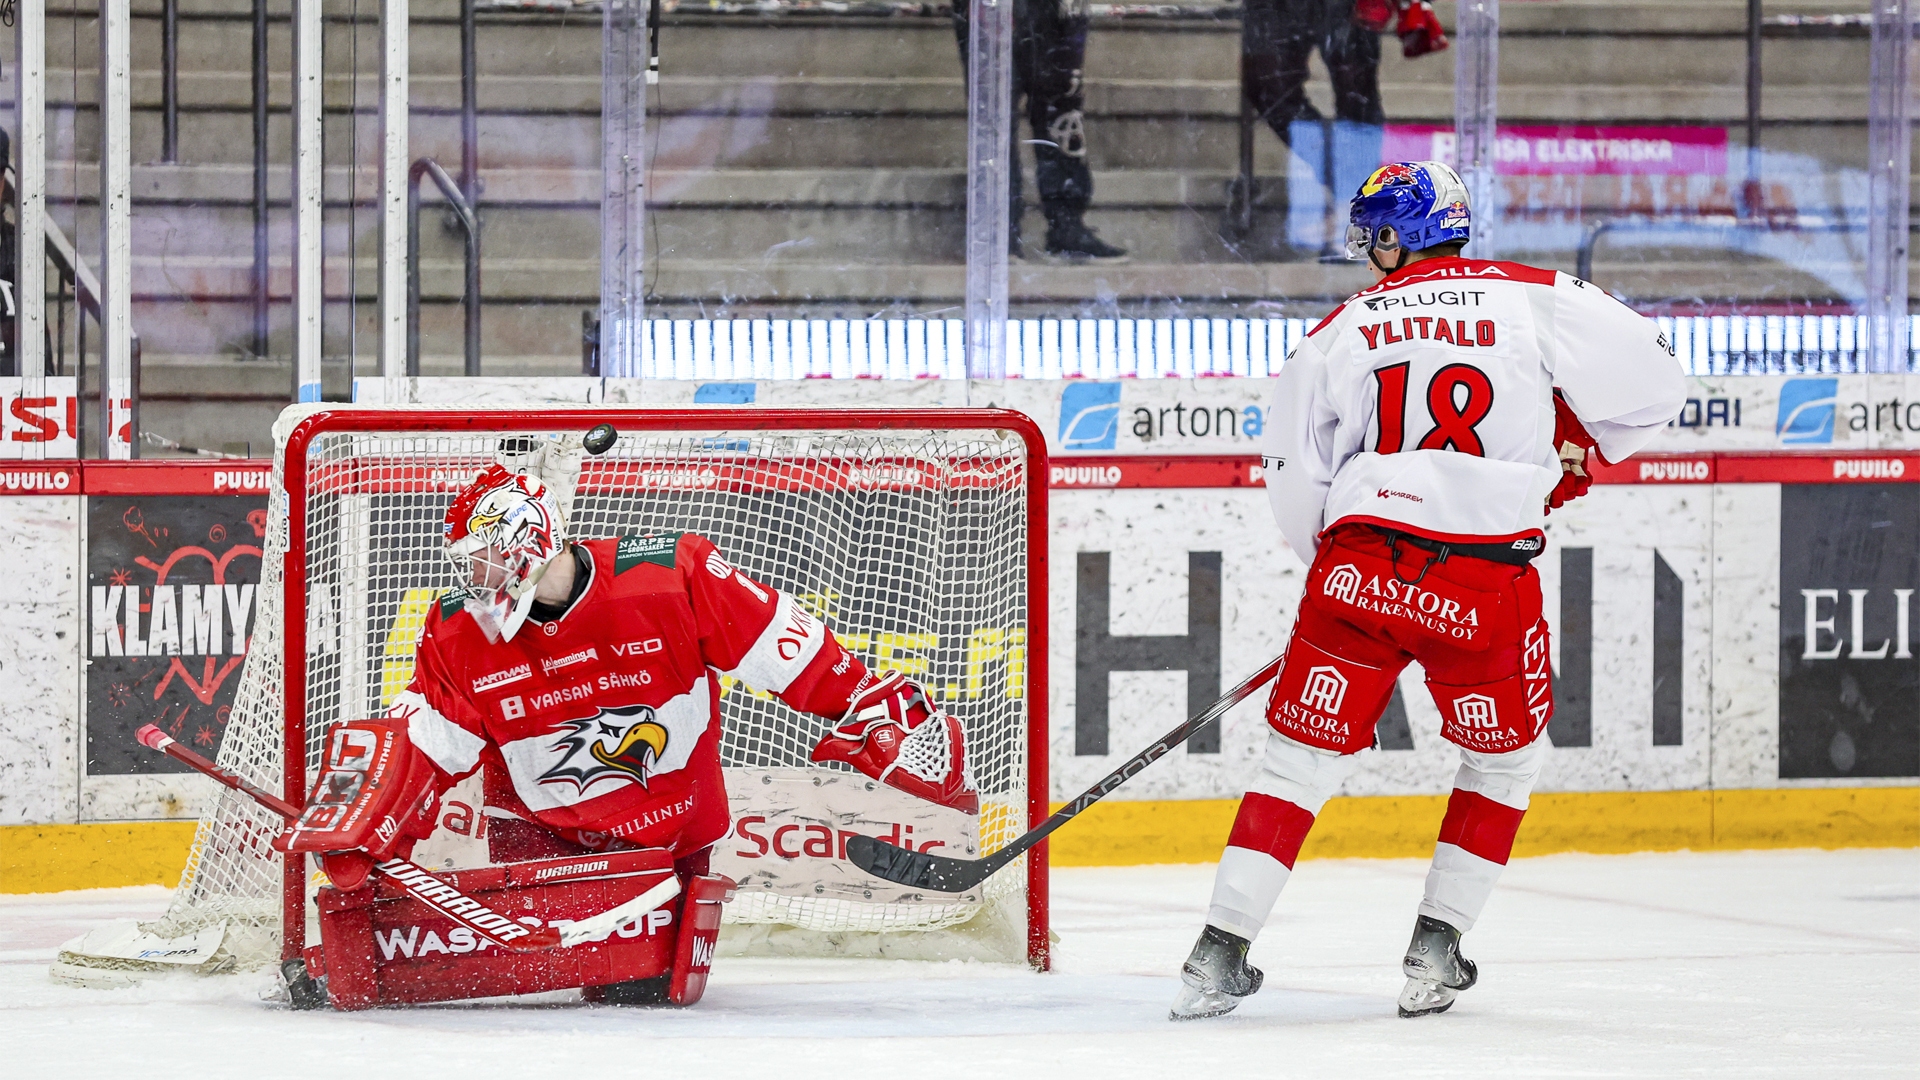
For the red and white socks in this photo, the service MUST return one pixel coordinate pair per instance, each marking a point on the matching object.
(1274, 819)
(1489, 799)
(1490, 795)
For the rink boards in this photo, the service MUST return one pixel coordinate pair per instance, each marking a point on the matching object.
(1732, 632)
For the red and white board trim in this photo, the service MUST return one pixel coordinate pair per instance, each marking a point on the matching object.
(253, 477)
(1783, 467)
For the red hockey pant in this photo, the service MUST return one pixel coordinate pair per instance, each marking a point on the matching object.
(1370, 608)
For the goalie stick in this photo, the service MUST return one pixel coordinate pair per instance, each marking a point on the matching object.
(430, 890)
(919, 870)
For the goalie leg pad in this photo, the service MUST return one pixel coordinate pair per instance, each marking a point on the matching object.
(699, 932)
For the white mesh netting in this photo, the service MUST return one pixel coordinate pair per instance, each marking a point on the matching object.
(912, 544)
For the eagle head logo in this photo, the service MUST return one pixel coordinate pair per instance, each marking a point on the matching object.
(625, 742)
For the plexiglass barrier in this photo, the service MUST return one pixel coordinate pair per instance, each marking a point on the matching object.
(805, 185)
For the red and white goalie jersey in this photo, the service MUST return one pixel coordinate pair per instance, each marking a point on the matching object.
(1426, 403)
(605, 721)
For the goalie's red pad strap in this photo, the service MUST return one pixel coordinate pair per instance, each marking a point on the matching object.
(699, 932)
(375, 793)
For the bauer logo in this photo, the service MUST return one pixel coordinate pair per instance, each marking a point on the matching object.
(1343, 583)
(1089, 415)
(1806, 412)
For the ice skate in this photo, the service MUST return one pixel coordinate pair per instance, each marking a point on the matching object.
(1435, 970)
(1215, 977)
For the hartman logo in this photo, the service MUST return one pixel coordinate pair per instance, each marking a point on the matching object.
(494, 680)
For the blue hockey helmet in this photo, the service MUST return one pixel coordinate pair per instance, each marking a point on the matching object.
(1424, 202)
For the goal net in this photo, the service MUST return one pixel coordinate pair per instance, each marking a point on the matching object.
(914, 535)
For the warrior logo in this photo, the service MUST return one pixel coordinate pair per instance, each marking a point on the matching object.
(613, 742)
(1343, 582)
(1326, 690)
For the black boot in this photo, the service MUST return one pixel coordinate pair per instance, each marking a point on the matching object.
(1215, 977)
(1071, 240)
(1435, 970)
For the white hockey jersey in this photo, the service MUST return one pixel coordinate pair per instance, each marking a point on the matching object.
(1425, 403)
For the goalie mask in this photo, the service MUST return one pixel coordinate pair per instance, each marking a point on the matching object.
(502, 532)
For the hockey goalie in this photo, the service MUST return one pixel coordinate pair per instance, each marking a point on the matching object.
(583, 677)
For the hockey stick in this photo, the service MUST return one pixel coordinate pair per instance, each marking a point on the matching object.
(597, 927)
(417, 883)
(919, 870)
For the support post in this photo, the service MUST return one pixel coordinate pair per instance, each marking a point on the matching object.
(170, 81)
(1476, 84)
(308, 173)
(261, 270)
(1889, 171)
(30, 186)
(623, 125)
(116, 240)
(393, 187)
(990, 154)
(1750, 197)
(470, 179)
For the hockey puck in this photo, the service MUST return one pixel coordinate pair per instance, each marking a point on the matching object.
(600, 439)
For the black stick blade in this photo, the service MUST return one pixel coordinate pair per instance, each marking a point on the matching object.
(599, 439)
(916, 869)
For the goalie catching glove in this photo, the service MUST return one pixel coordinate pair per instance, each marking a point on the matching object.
(894, 733)
(376, 795)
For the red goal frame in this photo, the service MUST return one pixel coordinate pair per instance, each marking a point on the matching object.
(293, 572)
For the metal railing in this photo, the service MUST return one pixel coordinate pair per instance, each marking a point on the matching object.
(470, 299)
(74, 277)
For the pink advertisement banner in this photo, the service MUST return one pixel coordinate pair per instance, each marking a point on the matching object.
(1564, 150)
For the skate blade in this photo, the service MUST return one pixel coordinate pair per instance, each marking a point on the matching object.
(1423, 998)
(1192, 1004)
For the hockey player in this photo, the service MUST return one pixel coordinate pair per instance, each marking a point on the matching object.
(1417, 437)
(1049, 51)
(587, 676)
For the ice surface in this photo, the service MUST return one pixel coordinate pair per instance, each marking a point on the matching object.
(1750, 964)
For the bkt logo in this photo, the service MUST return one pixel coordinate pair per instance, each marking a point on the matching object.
(1089, 415)
(1343, 583)
(1806, 411)
(1326, 690)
